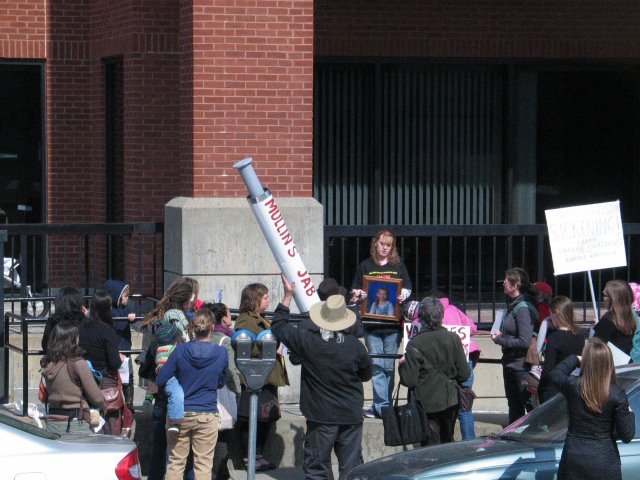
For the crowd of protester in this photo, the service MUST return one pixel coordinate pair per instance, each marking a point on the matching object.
(188, 359)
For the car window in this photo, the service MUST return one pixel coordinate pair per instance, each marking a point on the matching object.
(27, 427)
(634, 403)
(549, 422)
(546, 424)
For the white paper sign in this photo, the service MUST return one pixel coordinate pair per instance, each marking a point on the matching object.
(497, 322)
(586, 237)
(464, 332)
(410, 330)
(619, 357)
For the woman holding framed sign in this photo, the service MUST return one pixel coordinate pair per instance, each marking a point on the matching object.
(384, 263)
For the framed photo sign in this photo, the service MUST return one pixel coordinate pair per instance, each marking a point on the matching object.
(382, 298)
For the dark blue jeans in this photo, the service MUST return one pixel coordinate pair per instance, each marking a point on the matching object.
(158, 459)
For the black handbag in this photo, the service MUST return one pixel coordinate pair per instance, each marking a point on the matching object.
(405, 424)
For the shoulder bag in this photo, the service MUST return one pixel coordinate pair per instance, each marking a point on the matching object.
(405, 424)
(466, 395)
(113, 398)
(43, 395)
(227, 405)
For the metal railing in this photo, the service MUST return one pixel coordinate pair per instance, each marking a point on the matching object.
(12, 320)
(84, 255)
(467, 262)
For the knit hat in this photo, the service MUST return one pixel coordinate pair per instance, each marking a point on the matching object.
(166, 332)
(544, 287)
(332, 314)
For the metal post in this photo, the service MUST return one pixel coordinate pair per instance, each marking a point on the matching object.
(25, 365)
(253, 436)
(4, 352)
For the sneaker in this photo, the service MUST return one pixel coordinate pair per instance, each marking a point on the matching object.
(368, 413)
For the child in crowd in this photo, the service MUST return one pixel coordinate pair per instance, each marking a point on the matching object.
(168, 336)
(122, 318)
(177, 299)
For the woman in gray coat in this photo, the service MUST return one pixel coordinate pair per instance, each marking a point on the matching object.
(433, 362)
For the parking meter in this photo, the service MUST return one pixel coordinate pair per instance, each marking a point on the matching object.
(255, 372)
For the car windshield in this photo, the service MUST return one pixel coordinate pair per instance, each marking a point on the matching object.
(26, 427)
(548, 423)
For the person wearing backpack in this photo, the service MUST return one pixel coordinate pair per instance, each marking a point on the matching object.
(515, 337)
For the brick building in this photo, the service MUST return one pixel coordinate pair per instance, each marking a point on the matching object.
(402, 112)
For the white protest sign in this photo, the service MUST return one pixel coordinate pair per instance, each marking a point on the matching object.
(464, 333)
(586, 237)
(410, 330)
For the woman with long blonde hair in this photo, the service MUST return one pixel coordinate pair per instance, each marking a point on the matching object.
(597, 407)
(564, 341)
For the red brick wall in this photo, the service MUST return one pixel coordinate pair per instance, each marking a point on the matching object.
(252, 93)
(566, 29)
(23, 29)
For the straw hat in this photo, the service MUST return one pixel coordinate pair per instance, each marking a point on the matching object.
(332, 314)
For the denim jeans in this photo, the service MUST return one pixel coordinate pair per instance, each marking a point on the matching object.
(175, 403)
(466, 418)
(383, 368)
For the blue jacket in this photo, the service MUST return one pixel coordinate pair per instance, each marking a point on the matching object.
(201, 369)
(122, 328)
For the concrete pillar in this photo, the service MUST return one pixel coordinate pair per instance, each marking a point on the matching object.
(218, 242)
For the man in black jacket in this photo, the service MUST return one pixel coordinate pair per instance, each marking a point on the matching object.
(334, 365)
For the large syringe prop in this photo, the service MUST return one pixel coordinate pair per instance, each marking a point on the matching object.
(278, 236)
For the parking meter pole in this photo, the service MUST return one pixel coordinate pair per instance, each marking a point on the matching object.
(255, 372)
(253, 436)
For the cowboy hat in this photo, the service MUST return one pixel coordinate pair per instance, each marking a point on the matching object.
(332, 314)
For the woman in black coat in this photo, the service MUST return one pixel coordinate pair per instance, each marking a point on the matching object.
(566, 340)
(597, 406)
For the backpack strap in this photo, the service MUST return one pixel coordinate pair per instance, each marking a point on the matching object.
(524, 304)
(72, 369)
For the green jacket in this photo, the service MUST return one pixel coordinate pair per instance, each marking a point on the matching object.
(255, 323)
(434, 382)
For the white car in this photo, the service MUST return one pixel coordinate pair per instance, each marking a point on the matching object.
(30, 453)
